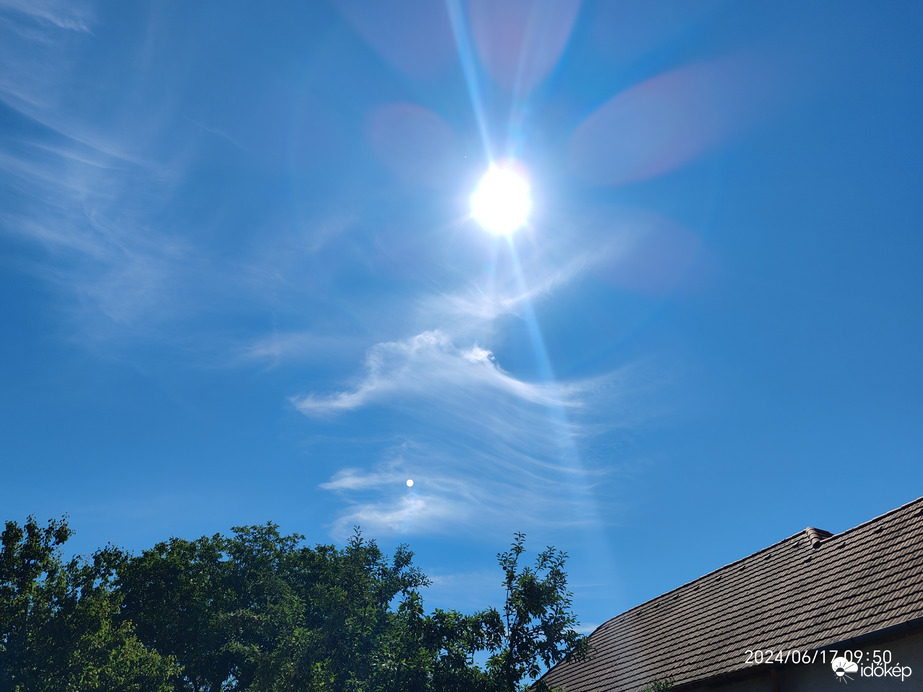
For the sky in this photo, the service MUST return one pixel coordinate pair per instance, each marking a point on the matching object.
(240, 280)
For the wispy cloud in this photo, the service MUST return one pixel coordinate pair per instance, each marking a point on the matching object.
(287, 347)
(104, 198)
(89, 185)
(415, 366)
(221, 134)
(74, 189)
(484, 301)
(71, 16)
(484, 448)
(78, 204)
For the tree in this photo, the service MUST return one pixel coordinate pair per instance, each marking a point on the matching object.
(537, 624)
(176, 594)
(349, 612)
(232, 610)
(58, 629)
(436, 652)
(260, 611)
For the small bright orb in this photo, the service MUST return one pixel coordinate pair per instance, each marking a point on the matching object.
(501, 202)
(410, 482)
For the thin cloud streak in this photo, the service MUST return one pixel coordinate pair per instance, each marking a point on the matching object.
(293, 346)
(79, 205)
(90, 195)
(63, 15)
(486, 303)
(77, 191)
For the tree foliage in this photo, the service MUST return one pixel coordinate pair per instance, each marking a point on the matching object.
(258, 610)
(538, 621)
(59, 628)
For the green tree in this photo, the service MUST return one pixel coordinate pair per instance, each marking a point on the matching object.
(263, 621)
(175, 593)
(436, 652)
(354, 627)
(260, 611)
(227, 608)
(58, 626)
(537, 622)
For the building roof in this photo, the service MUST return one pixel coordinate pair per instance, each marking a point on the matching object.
(809, 591)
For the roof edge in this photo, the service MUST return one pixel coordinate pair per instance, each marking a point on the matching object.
(903, 507)
(796, 536)
(908, 628)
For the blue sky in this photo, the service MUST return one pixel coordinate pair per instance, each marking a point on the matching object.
(240, 280)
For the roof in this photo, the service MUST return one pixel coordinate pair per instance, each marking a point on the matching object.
(809, 591)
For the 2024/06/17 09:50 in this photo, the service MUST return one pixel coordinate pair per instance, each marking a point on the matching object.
(762, 656)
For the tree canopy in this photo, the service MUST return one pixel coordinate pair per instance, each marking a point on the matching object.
(263, 612)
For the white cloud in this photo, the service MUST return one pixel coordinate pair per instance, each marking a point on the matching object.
(426, 364)
(356, 479)
(484, 447)
(408, 514)
(90, 190)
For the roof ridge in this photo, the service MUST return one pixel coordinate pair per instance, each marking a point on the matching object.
(903, 507)
(704, 576)
(823, 534)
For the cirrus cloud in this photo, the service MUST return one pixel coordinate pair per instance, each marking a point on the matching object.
(484, 447)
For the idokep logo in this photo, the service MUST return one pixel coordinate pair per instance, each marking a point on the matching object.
(842, 666)
(878, 668)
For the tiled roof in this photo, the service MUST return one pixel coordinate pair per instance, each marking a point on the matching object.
(809, 591)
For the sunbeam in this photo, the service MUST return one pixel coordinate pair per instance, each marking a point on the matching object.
(466, 58)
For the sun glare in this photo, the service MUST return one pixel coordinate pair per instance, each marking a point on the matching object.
(501, 202)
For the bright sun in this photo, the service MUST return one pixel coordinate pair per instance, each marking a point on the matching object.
(501, 202)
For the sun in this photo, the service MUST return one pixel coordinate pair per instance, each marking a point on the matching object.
(501, 202)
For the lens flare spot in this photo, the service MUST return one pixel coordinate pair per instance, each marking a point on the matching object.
(501, 202)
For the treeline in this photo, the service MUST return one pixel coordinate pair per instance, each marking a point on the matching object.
(261, 611)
